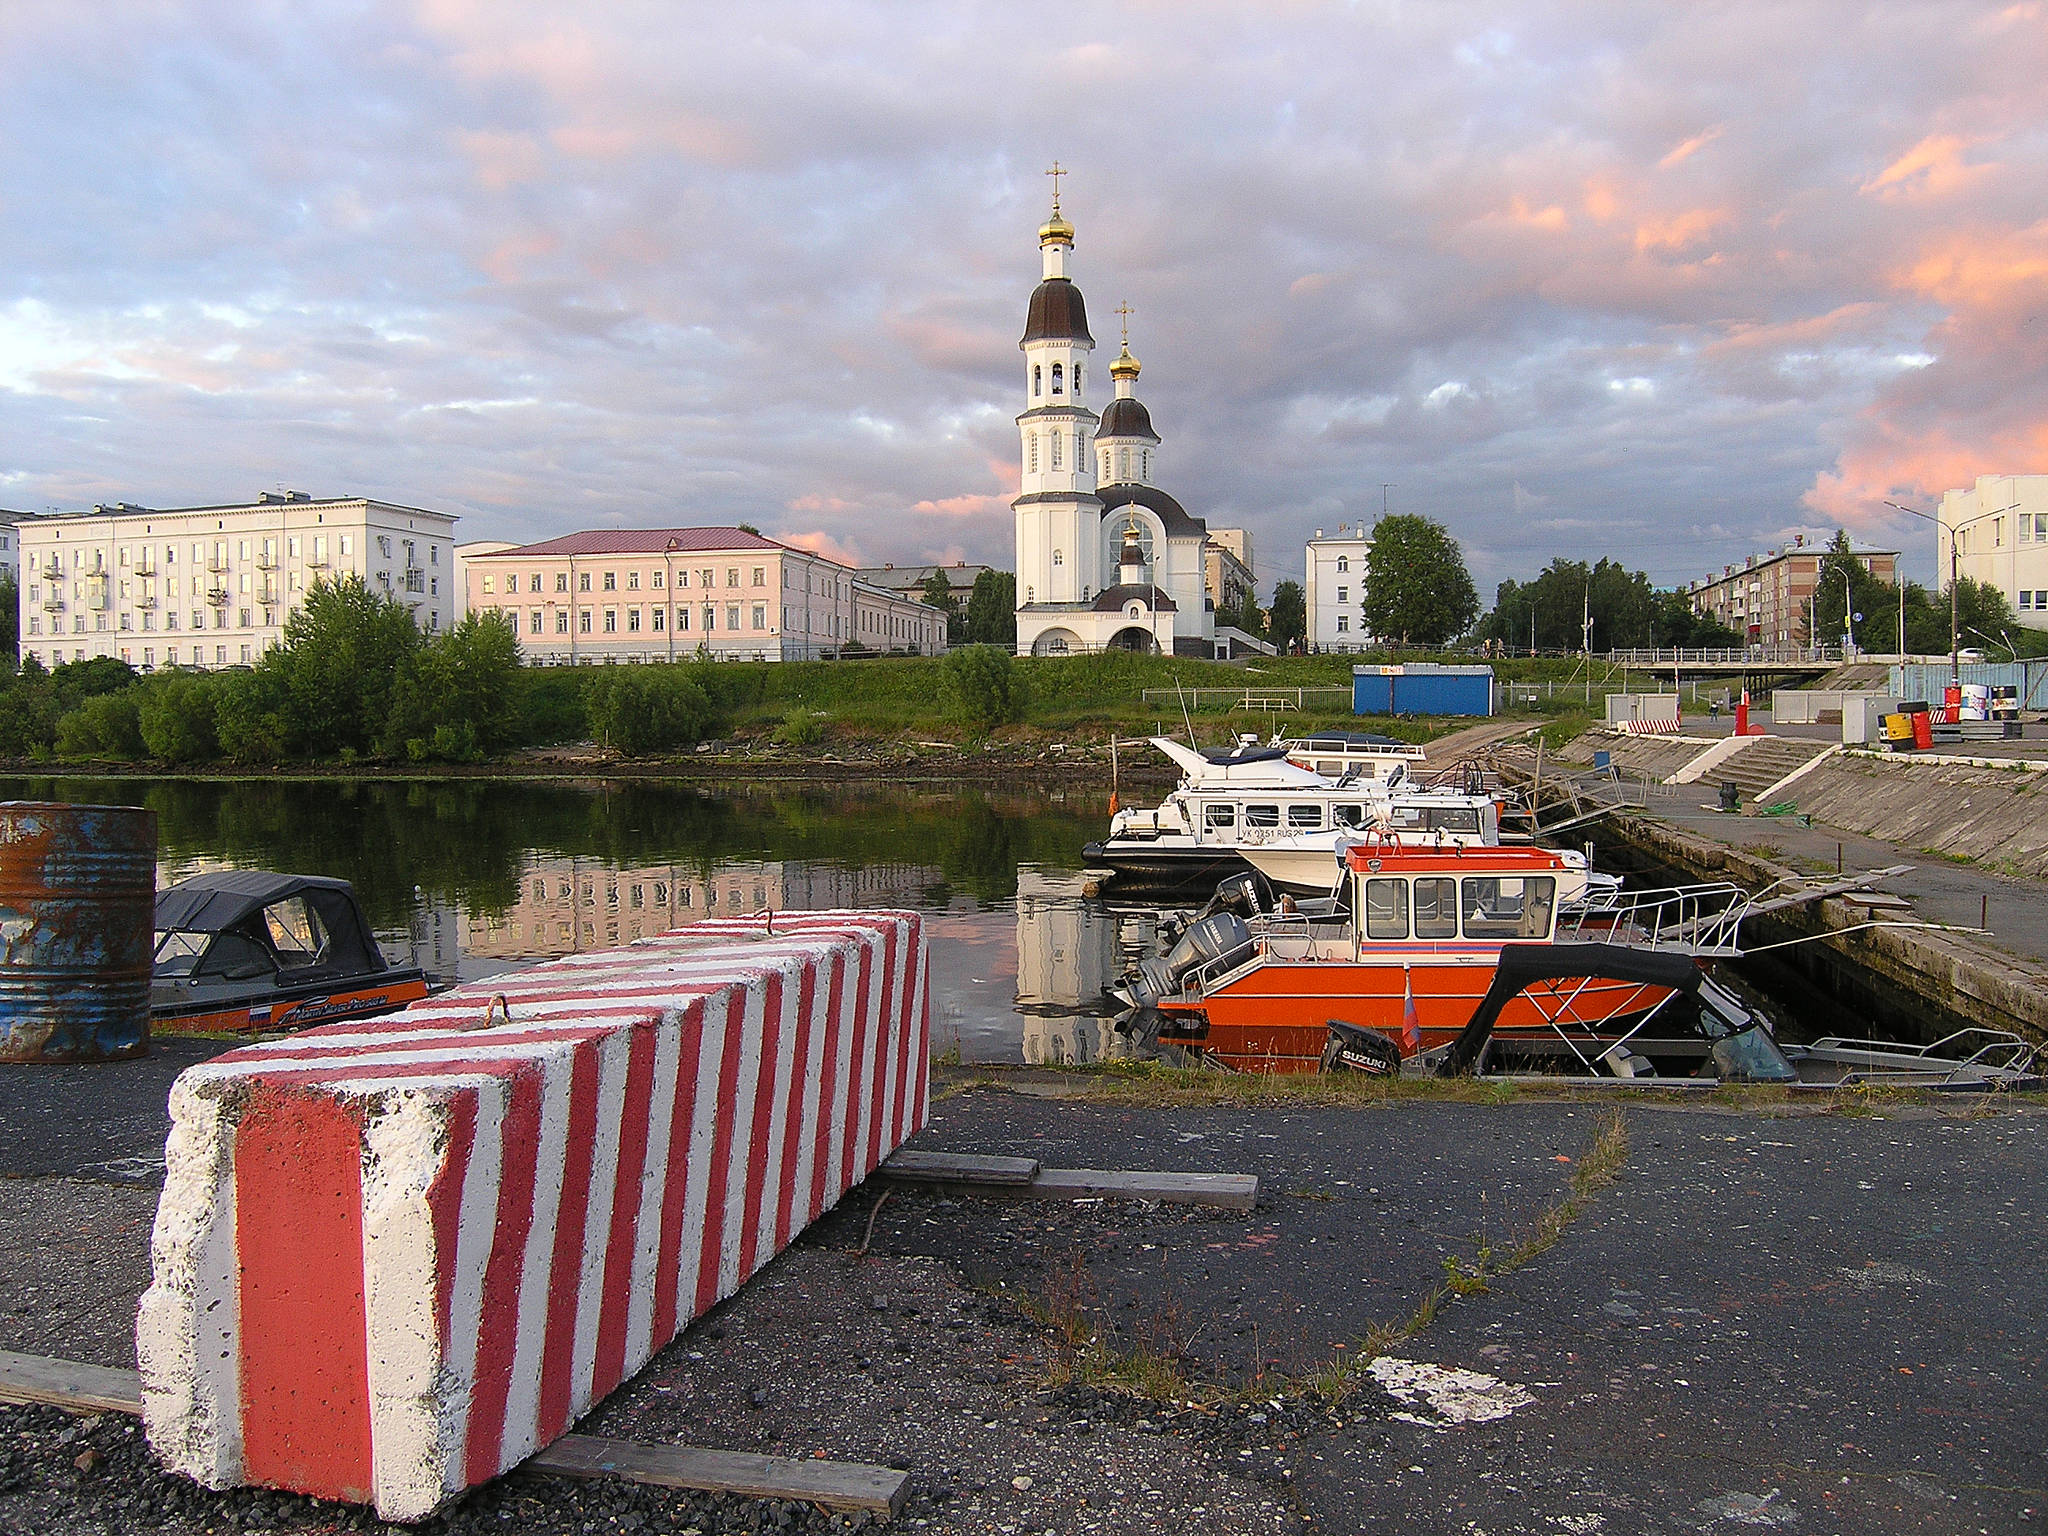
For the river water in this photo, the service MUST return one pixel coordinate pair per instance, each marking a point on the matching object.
(476, 877)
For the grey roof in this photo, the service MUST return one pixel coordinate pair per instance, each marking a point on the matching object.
(1171, 513)
(1057, 313)
(1126, 418)
(1110, 599)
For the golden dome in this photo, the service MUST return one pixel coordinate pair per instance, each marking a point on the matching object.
(1125, 366)
(1055, 228)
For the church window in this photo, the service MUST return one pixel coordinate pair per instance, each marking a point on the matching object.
(1144, 463)
(1123, 463)
(1343, 563)
(1105, 463)
(1343, 594)
(1343, 624)
(1056, 438)
(1033, 440)
(1080, 446)
(1058, 375)
(1037, 380)
(1031, 594)
(1077, 378)
(1058, 557)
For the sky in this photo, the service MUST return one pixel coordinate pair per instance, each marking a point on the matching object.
(1666, 283)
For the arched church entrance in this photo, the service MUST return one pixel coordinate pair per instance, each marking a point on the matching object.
(1134, 639)
(1054, 642)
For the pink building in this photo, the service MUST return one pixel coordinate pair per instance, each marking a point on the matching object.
(662, 594)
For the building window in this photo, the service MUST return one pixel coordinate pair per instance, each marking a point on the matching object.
(1343, 564)
(1057, 438)
(1036, 379)
(1059, 557)
(710, 618)
(562, 622)
(583, 581)
(611, 581)
(1343, 623)
(732, 575)
(660, 615)
(707, 578)
(583, 620)
(760, 615)
(1123, 463)
(1031, 450)
(1058, 379)
(1343, 594)
(533, 622)
(561, 581)
(682, 618)
(488, 581)
(611, 621)
(632, 621)
(760, 576)
(732, 616)
(1105, 463)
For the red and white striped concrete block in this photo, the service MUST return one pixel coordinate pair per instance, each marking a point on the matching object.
(395, 1257)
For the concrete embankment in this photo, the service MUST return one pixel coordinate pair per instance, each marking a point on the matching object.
(1920, 982)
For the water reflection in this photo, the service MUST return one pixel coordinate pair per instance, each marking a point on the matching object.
(475, 877)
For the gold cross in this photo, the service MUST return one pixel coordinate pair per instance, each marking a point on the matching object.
(1126, 311)
(1056, 173)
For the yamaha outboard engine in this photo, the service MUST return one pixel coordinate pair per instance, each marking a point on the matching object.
(1207, 939)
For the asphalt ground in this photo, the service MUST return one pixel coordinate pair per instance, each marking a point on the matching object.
(1827, 1321)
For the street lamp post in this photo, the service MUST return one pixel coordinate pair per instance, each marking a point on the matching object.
(668, 560)
(1955, 660)
(1848, 615)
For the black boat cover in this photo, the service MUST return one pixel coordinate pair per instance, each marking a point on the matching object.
(234, 900)
(1521, 964)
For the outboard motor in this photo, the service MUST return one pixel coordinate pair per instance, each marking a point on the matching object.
(1247, 895)
(1206, 939)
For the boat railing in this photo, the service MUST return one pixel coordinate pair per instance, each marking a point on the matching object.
(1697, 919)
(1996, 1051)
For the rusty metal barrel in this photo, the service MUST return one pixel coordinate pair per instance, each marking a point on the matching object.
(77, 917)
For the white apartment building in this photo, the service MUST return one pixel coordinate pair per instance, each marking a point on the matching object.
(1999, 531)
(10, 542)
(666, 594)
(1336, 590)
(213, 586)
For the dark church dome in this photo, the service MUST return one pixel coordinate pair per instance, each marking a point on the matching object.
(1057, 313)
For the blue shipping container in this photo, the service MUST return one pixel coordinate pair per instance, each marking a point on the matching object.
(1422, 688)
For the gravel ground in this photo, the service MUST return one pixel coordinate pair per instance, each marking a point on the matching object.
(1785, 1319)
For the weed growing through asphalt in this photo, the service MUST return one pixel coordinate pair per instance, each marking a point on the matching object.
(1071, 1310)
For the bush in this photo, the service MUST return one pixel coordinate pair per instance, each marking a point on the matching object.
(638, 709)
(984, 686)
(105, 725)
(176, 717)
(252, 714)
(800, 728)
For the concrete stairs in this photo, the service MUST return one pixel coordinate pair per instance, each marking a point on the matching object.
(1761, 764)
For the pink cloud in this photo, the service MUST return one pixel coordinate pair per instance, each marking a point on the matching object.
(1932, 168)
(965, 506)
(821, 543)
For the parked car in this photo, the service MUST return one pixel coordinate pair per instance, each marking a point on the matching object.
(1969, 653)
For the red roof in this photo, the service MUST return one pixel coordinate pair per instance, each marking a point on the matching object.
(644, 541)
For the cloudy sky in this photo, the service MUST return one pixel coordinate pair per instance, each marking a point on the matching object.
(1666, 282)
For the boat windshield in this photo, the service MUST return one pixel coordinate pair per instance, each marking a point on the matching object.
(177, 951)
(1516, 907)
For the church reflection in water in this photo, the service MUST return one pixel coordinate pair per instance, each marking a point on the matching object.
(1070, 947)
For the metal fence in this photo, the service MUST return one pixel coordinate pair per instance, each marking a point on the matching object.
(1324, 699)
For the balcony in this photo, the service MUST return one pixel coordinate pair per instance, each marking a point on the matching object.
(145, 602)
(218, 597)
(266, 562)
(53, 605)
(144, 568)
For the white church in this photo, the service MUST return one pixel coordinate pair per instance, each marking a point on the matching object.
(1105, 559)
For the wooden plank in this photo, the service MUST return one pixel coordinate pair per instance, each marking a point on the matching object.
(834, 1484)
(68, 1384)
(1231, 1191)
(959, 1167)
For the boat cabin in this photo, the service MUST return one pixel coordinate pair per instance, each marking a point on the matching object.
(1342, 754)
(1449, 897)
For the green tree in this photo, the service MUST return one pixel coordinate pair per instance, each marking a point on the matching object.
(1625, 610)
(992, 610)
(1287, 624)
(984, 686)
(1417, 590)
(252, 715)
(938, 592)
(342, 654)
(105, 725)
(1679, 626)
(1843, 579)
(29, 711)
(639, 709)
(453, 700)
(175, 713)
(10, 620)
